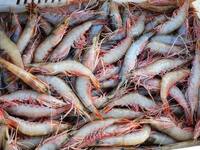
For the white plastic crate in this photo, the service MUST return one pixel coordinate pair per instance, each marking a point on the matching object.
(20, 5)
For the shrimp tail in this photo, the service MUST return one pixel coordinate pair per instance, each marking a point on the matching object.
(5, 120)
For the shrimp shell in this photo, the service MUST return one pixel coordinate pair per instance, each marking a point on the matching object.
(27, 77)
(11, 49)
(176, 21)
(67, 66)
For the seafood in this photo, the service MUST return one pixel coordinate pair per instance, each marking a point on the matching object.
(34, 128)
(17, 27)
(131, 55)
(166, 125)
(68, 41)
(68, 66)
(168, 39)
(27, 33)
(52, 40)
(176, 21)
(168, 80)
(116, 20)
(11, 49)
(133, 138)
(27, 77)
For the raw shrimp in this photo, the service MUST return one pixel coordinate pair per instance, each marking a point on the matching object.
(29, 142)
(131, 55)
(116, 20)
(28, 95)
(30, 49)
(68, 41)
(130, 139)
(162, 2)
(65, 91)
(162, 48)
(121, 113)
(168, 80)
(194, 84)
(168, 39)
(34, 128)
(11, 49)
(138, 27)
(159, 138)
(176, 21)
(27, 77)
(54, 142)
(28, 32)
(52, 40)
(158, 67)
(34, 111)
(83, 86)
(131, 99)
(68, 66)
(115, 53)
(157, 20)
(166, 125)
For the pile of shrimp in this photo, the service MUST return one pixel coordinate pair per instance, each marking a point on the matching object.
(109, 74)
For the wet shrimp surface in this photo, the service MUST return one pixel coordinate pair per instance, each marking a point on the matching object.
(106, 74)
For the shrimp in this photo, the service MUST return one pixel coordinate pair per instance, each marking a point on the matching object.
(158, 47)
(168, 80)
(30, 49)
(34, 128)
(11, 49)
(130, 139)
(27, 77)
(176, 21)
(83, 86)
(34, 111)
(159, 138)
(89, 132)
(54, 142)
(174, 92)
(116, 20)
(138, 27)
(131, 99)
(65, 91)
(131, 55)
(121, 113)
(168, 126)
(152, 24)
(162, 2)
(68, 41)
(67, 66)
(194, 84)
(52, 40)
(158, 67)
(115, 53)
(113, 130)
(26, 95)
(27, 33)
(168, 39)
